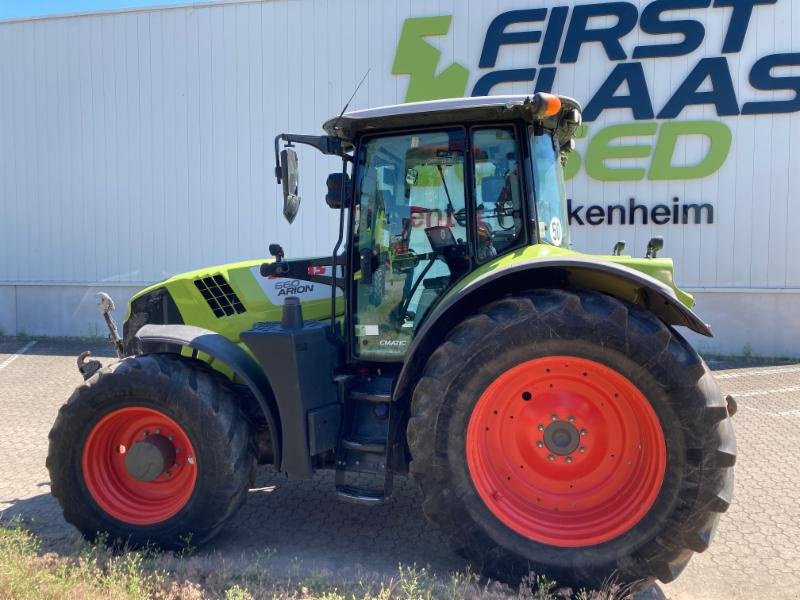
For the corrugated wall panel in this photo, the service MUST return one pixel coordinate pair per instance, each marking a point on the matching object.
(138, 144)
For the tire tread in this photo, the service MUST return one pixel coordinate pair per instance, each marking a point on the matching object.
(706, 490)
(169, 376)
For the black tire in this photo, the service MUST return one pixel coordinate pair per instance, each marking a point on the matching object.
(700, 443)
(194, 396)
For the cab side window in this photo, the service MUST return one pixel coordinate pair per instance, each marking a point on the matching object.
(498, 191)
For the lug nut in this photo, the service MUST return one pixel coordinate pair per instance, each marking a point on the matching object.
(170, 437)
(551, 457)
(539, 444)
(568, 459)
(571, 419)
(583, 432)
(190, 460)
(540, 427)
(582, 449)
(554, 417)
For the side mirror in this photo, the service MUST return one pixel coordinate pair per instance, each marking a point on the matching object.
(289, 177)
(336, 182)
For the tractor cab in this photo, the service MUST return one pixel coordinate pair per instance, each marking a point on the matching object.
(435, 190)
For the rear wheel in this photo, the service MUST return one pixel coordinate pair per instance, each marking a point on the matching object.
(151, 450)
(573, 434)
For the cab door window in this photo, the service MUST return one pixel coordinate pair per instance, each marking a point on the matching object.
(411, 235)
(498, 191)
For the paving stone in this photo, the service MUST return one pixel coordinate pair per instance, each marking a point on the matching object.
(302, 525)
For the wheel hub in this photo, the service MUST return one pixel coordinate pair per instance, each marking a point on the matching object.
(149, 458)
(561, 437)
(139, 465)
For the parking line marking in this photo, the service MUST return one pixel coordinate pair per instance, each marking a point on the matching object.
(765, 392)
(17, 354)
(761, 372)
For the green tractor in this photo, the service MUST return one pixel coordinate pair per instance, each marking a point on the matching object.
(552, 414)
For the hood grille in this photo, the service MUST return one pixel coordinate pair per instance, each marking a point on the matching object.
(220, 296)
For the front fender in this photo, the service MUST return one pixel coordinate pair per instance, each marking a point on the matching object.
(232, 356)
(573, 272)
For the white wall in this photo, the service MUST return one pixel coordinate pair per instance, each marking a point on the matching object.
(138, 144)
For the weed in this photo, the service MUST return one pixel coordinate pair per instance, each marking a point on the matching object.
(237, 593)
(747, 352)
(187, 548)
(119, 573)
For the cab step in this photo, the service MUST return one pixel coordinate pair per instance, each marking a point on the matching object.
(362, 454)
(378, 397)
(372, 446)
(360, 495)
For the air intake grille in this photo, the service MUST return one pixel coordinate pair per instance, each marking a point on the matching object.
(220, 296)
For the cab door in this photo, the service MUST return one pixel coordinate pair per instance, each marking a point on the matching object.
(430, 206)
(410, 235)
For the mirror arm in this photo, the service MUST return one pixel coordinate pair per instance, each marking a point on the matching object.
(326, 144)
(342, 204)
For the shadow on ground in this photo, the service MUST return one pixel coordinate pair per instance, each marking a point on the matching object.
(294, 523)
(296, 529)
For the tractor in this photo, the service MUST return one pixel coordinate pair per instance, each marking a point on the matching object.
(544, 400)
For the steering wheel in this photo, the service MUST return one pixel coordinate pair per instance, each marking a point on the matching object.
(405, 262)
(502, 212)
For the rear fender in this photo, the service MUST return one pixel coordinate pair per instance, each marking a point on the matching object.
(232, 356)
(614, 279)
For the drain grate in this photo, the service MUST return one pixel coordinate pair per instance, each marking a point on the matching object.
(220, 296)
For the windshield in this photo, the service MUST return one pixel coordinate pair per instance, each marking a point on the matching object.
(548, 183)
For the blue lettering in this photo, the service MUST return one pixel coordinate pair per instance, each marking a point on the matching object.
(485, 84)
(740, 21)
(553, 35)
(579, 33)
(693, 32)
(722, 94)
(546, 79)
(638, 99)
(761, 78)
(497, 35)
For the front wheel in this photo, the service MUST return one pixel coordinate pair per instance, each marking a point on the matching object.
(570, 433)
(152, 449)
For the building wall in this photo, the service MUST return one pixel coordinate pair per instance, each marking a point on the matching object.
(137, 144)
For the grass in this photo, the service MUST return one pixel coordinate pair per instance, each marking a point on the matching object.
(95, 571)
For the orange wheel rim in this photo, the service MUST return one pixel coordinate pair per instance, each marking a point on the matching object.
(113, 487)
(566, 451)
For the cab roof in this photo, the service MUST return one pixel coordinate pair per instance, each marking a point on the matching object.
(449, 111)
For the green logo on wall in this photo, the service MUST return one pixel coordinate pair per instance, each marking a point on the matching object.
(418, 59)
